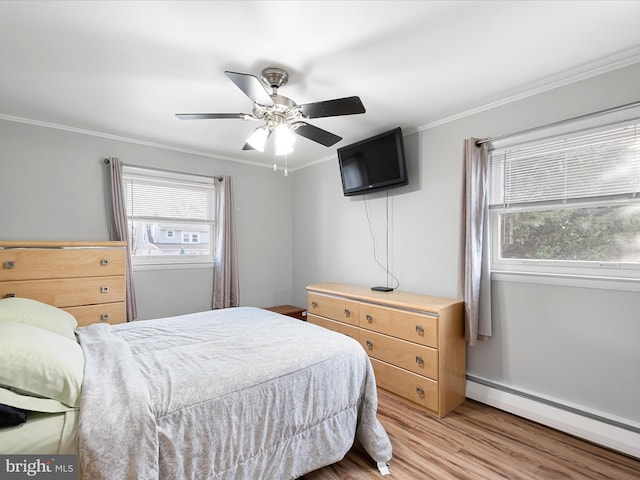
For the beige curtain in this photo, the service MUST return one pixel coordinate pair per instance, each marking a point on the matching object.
(473, 275)
(121, 230)
(226, 290)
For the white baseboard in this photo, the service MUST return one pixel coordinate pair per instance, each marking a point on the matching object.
(601, 433)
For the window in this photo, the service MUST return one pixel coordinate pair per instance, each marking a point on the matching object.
(190, 237)
(569, 205)
(170, 216)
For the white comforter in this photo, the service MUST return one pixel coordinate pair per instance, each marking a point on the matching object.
(239, 393)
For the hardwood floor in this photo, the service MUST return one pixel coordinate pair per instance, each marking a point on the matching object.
(478, 442)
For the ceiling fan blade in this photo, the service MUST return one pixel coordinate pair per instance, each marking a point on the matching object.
(247, 147)
(333, 108)
(205, 116)
(316, 134)
(252, 87)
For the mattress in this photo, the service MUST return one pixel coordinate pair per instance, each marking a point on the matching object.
(43, 433)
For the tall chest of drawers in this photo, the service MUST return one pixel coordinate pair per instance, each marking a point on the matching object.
(415, 342)
(87, 279)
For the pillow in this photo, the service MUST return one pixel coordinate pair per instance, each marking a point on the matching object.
(10, 416)
(38, 314)
(40, 363)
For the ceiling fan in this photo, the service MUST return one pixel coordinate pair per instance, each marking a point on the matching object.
(281, 115)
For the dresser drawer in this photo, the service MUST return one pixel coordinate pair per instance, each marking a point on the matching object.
(415, 388)
(34, 263)
(339, 309)
(410, 356)
(112, 313)
(67, 292)
(339, 327)
(411, 326)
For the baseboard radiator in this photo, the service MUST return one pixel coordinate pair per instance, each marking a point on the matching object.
(596, 429)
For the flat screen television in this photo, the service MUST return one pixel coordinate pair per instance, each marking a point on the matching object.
(372, 164)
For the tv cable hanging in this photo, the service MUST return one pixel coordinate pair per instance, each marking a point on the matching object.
(385, 267)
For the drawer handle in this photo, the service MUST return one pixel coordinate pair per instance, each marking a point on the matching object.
(104, 262)
(314, 304)
(369, 344)
(9, 264)
(105, 317)
(419, 391)
(420, 330)
(347, 312)
(104, 289)
(369, 318)
(419, 360)
(9, 295)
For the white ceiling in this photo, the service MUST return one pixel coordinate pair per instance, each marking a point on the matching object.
(124, 68)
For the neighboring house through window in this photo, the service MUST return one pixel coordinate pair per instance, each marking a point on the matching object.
(170, 216)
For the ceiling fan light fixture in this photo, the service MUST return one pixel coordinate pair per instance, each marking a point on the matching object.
(283, 150)
(285, 139)
(258, 138)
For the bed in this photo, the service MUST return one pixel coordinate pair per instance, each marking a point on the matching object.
(241, 393)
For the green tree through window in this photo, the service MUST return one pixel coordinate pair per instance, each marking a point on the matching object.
(597, 234)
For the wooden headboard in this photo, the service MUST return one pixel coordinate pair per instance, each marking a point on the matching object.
(87, 279)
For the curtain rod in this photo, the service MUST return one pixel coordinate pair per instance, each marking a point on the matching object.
(219, 178)
(560, 122)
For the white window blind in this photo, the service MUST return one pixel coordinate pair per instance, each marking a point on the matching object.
(159, 198)
(588, 166)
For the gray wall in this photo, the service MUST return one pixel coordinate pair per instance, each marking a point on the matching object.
(53, 186)
(577, 345)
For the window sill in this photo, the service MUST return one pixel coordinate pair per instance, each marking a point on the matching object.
(568, 280)
(171, 266)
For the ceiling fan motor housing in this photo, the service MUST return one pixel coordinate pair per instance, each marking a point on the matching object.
(275, 77)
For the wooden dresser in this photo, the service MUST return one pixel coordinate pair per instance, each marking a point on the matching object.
(87, 279)
(415, 342)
